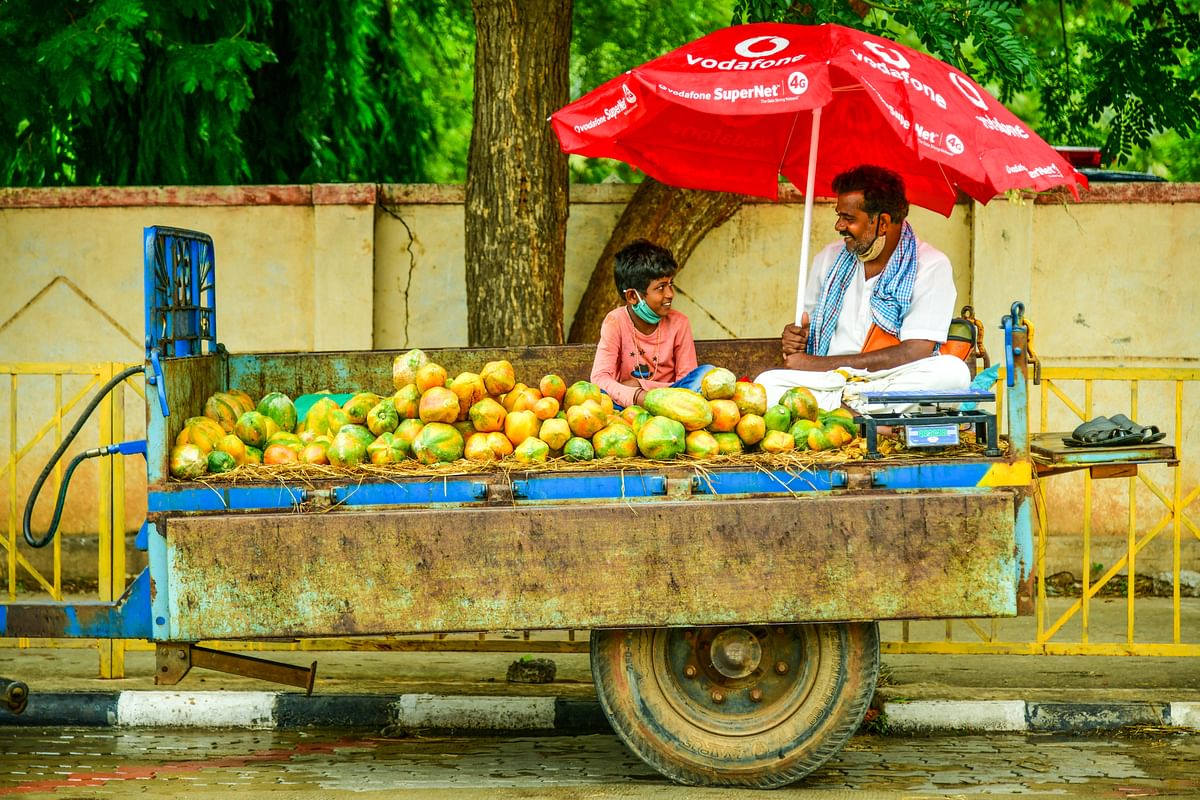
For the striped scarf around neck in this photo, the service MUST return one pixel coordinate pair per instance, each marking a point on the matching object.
(890, 297)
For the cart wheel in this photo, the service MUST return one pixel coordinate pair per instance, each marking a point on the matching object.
(755, 705)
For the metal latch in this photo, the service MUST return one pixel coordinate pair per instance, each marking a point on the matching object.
(854, 480)
(679, 487)
(502, 493)
(318, 499)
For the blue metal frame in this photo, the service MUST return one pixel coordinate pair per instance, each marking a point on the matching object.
(535, 488)
(1018, 434)
(181, 292)
(126, 618)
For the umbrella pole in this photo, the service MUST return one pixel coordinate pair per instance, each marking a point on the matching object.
(809, 184)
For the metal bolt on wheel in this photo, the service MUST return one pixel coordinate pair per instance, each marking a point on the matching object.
(749, 705)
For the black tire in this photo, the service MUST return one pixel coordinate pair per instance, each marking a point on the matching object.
(691, 720)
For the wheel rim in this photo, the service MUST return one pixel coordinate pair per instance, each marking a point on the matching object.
(737, 681)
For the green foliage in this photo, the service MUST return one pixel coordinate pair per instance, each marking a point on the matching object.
(1117, 75)
(210, 92)
(611, 37)
(1183, 156)
(121, 91)
(438, 40)
(265, 91)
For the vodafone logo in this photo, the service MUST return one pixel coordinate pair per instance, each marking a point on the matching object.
(968, 90)
(888, 55)
(760, 46)
(750, 54)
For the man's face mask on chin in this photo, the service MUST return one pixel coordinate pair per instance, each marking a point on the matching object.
(874, 249)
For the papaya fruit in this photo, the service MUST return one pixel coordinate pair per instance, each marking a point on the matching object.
(359, 406)
(188, 462)
(438, 442)
(751, 398)
(405, 366)
(615, 441)
(555, 432)
(553, 386)
(487, 415)
(497, 377)
(255, 428)
(663, 438)
(219, 461)
(578, 449)
(751, 429)
(279, 407)
(729, 444)
(579, 391)
(478, 448)
(725, 416)
(686, 407)
(801, 402)
(701, 444)
(777, 442)
(383, 417)
(532, 451)
(778, 418)
(718, 384)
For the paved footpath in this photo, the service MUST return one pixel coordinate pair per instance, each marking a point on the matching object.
(138, 763)
(468, 692)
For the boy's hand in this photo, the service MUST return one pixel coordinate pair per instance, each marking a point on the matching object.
(794, 338)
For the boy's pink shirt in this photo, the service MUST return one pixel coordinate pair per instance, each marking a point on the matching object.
(617, 353)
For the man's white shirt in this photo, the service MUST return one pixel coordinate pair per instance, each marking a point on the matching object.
(928, 317)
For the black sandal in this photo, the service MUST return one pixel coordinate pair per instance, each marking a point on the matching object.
(1101, 432)
(1147, 434)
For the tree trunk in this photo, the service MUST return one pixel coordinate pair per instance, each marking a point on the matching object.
(677, 219)
(516, 193)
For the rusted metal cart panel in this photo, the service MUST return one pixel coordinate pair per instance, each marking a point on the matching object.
(683, 562)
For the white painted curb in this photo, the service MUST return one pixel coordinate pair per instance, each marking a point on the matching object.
(196, 709)
(978, 715)
(1185, 715)
(474, 713)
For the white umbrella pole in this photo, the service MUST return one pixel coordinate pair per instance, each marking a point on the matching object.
(809, 185)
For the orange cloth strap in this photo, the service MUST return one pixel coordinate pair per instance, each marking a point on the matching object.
(877, 339)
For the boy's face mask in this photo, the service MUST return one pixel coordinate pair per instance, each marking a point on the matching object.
(643, 310)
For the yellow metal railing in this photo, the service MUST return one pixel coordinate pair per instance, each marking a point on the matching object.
(1056, 405)
(1066, 397)
(44, 416)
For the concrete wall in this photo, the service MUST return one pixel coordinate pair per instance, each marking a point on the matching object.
(740, 281)
(1107, 281)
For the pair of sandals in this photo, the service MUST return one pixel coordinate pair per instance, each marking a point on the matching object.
(1115, 431)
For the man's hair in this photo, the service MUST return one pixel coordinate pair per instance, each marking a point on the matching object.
(882, 190)
(640, 262)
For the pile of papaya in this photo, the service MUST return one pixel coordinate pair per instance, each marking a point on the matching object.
(434, 418)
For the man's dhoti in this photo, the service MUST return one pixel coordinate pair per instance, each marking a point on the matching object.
(847, 385)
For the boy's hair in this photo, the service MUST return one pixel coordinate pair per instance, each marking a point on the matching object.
(640, 262)
(882, 190)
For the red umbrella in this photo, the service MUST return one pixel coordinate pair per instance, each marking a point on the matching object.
(734, 110)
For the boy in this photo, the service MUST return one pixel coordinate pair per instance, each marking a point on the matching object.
(644, 344)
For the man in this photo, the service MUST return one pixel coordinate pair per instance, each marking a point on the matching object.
(877, 306)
